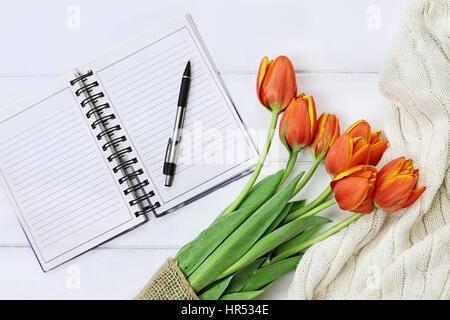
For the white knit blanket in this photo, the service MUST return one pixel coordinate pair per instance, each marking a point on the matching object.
(402, 255)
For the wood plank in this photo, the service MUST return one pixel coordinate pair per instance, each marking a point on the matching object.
(318, 35)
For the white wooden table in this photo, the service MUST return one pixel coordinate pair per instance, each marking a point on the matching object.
(337, 48)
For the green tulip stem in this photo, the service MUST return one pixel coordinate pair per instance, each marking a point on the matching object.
(321, 198)
(306, 178)
(290, 165)
(332, 230)
(319, 237)
(319, 208)
(295, 250)
(255, 174)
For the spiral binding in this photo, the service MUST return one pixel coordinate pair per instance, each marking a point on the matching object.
(97, 110)
(108, 132)
(114, 143)
(103, 120)
(125, 165)
(112, 132)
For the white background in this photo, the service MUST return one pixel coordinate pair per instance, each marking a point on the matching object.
(337, 48)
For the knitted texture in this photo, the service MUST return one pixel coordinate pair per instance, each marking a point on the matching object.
(402, 255)
(168, 283)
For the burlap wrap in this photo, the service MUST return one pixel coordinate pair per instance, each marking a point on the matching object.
(168, 283)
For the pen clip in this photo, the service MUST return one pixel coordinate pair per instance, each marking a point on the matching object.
(168, 150)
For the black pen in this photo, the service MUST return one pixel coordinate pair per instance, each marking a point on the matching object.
(173, 145)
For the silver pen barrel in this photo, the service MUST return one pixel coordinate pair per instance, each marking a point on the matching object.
(177, 133)
(171, 158)
(173, 145)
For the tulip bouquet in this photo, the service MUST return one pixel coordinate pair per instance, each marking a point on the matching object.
(263, 233)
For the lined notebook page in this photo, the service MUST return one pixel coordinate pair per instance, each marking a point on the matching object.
(58, 178)
(143, 88)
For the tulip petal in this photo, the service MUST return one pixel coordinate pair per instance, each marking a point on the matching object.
(282, 126)
(358, 143)
(361, 156)
(408, 164)
(283, 122)
(366, 207)
(319, 142)
(375, 137)
(326, 135)
(283, 138)
(350, 192)
(415, 194)
(312, 117)
(357, 171)
(363, 174)
(336, 130)
(376, 152)
(394, 193)
(361, 129)
(321, 124)
(389, 171)
(265, 64)
(339, 156)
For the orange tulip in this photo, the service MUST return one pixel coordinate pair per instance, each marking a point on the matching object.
(326, 133)
(396, 185)
(346, 152)
(276, 85)
(298, 123)
(353, 188)
(362, 129)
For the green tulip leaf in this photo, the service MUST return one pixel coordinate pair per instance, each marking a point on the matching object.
(247, 295)
(297, 205)
(241, 277)
(216, 289)
(261, 191)
(289, 248)
(265, 275)
(278, 220)
(290, 207)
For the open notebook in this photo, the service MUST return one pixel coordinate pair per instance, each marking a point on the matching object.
(81, 159)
